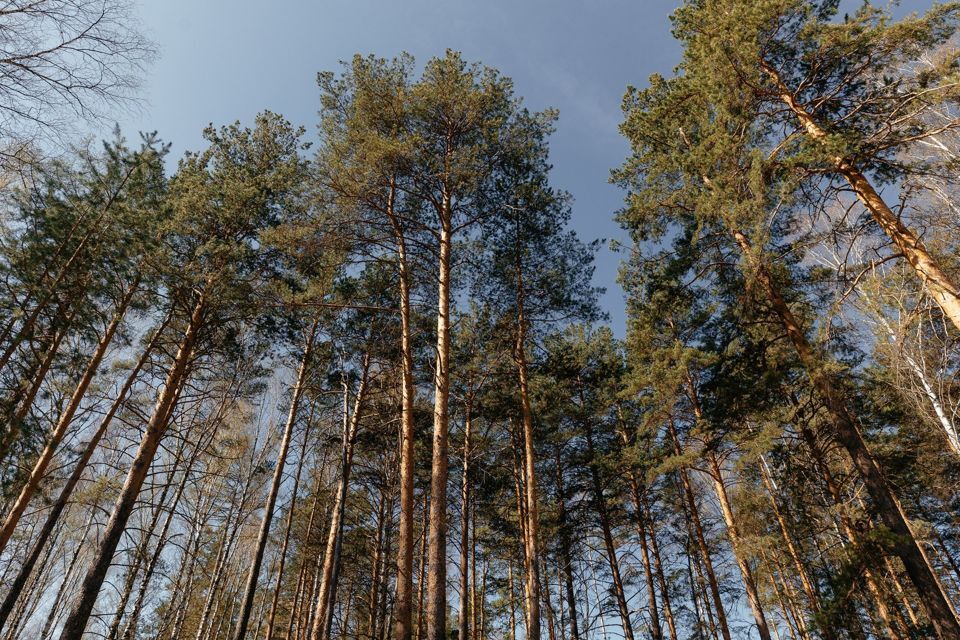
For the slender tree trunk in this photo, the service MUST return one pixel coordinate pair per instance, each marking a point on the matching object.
(437, 561)
(403, 608)
(521, 505)
(464, 613)
(564, 556)
(513, 606)
(375, 565)
(66, 418)
(27, 325)
(183, 586)
(532, 529)
(940, 285)
(230, 531)
(24, 401)
(83, 606)
(849, 530)
(271, 617)
(63, 499)
(140, 552)
(733, 532)
(600, 505)
(422, 582)
(473, 575)
(383, 614)
(701, 540)
(650, 527)
(482, 624)
(307, 566)
(327, 591)
(801, 570)
(254, 575)
(68, 574)
(656, 631)
(846, 430)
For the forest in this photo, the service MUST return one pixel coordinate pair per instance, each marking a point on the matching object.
(363, 388)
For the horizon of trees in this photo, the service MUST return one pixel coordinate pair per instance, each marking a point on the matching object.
(363, 389)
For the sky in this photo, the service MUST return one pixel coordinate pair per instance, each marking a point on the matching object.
(226, 60)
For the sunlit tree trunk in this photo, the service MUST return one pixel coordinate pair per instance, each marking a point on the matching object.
(847, 433)
(253, 576)
(76, 622)
(65, 420)
(940, 285)
(436, 613)
(465, 612)
(403, 608)
(80, 466)
(327, 590)
(700, 539)
(532, 528)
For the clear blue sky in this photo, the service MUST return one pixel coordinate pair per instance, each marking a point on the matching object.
(225, 60)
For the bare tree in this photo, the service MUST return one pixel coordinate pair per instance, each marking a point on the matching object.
(63, 61)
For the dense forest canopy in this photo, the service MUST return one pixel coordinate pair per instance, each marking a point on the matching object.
(362, 388)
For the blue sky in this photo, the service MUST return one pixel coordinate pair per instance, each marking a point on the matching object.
(222, 61)
(225, 60)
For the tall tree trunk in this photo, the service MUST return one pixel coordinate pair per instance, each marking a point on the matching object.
(80, 466)
(565, 544)
(66, 418)
(700, 539)
(464, 614)
(140, 552)
(847, 432)
(733, 532)
(83, 606)
(377, 560)
(521, 504)
(656, 631)
(801, 570)
(67, 575)
(532, 529)
(437, 560)
(600, 505)
(422, 582)
(308, 570)
(849, 530)
(327, 590)
(513, 606)
(940, 285)
(383, 614)
(254, 575)
(291, 511)
(647, 522)
(403, 608)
